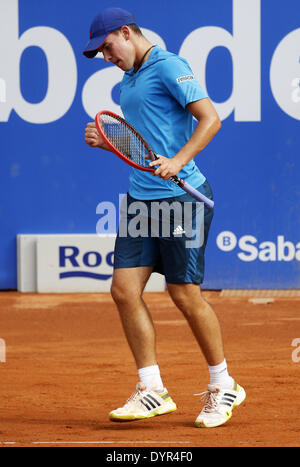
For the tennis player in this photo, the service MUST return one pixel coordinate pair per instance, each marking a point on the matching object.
(159, 97)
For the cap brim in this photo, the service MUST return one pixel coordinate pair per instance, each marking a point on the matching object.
(93, 45)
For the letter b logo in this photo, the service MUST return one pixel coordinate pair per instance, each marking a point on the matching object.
(226, 241)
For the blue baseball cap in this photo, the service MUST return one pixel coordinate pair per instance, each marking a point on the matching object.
(107, 21)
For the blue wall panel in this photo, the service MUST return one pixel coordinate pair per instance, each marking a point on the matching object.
(246, 54)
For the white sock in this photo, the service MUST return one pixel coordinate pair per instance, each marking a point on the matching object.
(219, 375)
(150, 376)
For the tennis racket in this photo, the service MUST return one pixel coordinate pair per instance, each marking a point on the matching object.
(127, 143)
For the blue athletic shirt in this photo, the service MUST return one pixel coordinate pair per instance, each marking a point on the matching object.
(154, 101)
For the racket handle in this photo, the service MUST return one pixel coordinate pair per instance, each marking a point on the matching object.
(193, 192)
(189, 188)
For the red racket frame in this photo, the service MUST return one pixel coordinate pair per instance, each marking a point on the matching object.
(114, 149)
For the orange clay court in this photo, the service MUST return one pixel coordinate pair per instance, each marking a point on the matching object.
(67, 364)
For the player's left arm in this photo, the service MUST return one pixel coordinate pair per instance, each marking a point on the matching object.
(208, 126)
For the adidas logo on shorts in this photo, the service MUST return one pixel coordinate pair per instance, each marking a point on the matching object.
(179, 230)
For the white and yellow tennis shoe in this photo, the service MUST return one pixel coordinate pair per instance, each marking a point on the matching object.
(144, 403)
(219, 404)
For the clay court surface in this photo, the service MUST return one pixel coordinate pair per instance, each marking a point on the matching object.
(67, 365)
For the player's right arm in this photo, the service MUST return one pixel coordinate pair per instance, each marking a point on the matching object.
(92, 137)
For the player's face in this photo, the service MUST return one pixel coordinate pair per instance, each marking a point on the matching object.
(118, 50)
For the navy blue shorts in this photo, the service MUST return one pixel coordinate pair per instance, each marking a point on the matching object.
(169, 234)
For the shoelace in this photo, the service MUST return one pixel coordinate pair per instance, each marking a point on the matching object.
(133, 399)
(210, 399)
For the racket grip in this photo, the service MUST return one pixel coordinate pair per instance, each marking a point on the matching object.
(195, 193)
(190, 189)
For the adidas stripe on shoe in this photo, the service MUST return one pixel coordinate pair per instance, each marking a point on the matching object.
(144, 403)
(219, 404)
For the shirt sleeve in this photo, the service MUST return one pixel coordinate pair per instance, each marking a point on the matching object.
(180, 81)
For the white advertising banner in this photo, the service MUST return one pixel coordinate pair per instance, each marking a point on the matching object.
(70, 263)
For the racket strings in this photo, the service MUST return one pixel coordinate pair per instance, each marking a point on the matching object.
(125, 140)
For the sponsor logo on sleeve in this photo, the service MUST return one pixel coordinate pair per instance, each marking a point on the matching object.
(184, 78)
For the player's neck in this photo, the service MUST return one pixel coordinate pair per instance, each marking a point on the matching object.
(143, 50)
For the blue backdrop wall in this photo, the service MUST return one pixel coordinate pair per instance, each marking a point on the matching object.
(244, 52)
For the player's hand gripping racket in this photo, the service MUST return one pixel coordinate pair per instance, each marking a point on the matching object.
(126, 142)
